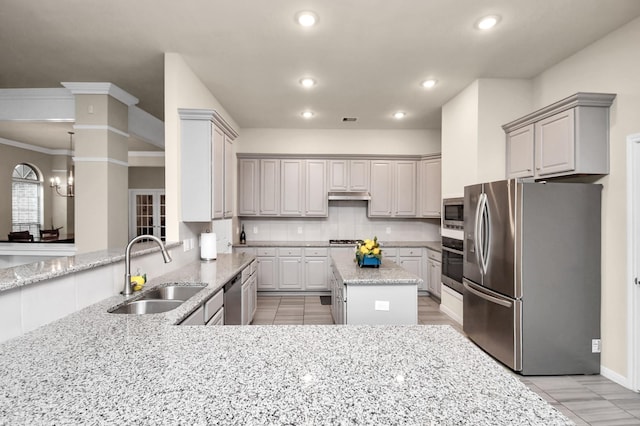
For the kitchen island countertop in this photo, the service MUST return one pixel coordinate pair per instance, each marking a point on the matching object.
(93, 367)
(389, 273)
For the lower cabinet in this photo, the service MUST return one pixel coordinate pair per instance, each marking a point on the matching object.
(411, 259)
(210, 312)
(290, 268)
(249, 293)
(316, 268)
(434, 272)
(267, 268)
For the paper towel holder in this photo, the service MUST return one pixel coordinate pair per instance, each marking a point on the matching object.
(208, 249)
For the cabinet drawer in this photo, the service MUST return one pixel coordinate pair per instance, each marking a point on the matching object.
(217, 319)
(410, 252)
(434, 255)
(389, 252)
(196, 317)
(244, 250)
(266, 251)
(246, 273)
(290, 251)
(316, 251)
(212, 305)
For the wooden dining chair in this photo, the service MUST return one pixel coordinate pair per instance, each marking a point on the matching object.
(20, 236)
(49, 234)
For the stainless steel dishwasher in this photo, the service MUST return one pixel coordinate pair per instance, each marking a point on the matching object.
(233, 301)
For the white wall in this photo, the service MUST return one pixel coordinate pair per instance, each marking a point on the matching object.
(339, 141)
(183, 89)
(609, 65)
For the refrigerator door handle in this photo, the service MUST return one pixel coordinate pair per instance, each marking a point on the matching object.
(481, 233)
(486, 237)
(476, 236)
(487, 297)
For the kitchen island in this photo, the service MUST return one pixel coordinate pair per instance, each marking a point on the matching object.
(387, 294)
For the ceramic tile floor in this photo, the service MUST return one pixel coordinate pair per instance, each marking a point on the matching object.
(586, 400)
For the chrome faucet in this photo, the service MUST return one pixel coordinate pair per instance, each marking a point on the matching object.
(127, 290)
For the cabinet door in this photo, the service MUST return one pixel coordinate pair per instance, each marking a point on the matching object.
(267, 273)
(228, 177)
(431, 188)
(338, 178)
(290, 273)
(218, 175)
(412, 264)
(315, 273)
(254, 297)
(555, 143)
(381, 188)
(316, 203)
(248, 187)
(246, 300)
(195, 170)
(520, 154)
(291, 186)
(359, 171)
(405, 192)
(435, 272)
(269, 187)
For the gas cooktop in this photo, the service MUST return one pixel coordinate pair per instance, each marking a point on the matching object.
(344, 242)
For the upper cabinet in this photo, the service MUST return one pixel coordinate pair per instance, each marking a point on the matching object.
(393, 188)
(282, 187)
(205, 165)
(569, 137)
(430, 187)
(349, 175)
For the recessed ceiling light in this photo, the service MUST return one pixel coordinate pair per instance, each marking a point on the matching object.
(428, 84)
(307, 82)
(306, 18)
(487, 22)
(399, 115)
(307, 114)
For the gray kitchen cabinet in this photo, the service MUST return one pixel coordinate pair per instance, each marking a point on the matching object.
(430, 187)
(218, 183)
(393, 188)
(248, 187)
(249, 293)
(195, 318)
(291, 187)
(520, 149)
(411, 259)
(315, 194)
(381, 203)
(290, 269)
(269, 187)
(434, 272)
(202, 178)
(316, 267)
(569, 137)
(267, 268)
(349, 175)
(229, 171)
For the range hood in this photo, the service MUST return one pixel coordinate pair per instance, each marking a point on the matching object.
(349, 195)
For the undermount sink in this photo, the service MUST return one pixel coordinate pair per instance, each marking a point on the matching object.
(154, 306)
(158, 300)
(172, 292)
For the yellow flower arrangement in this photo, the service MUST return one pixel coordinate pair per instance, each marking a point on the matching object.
(368, 249)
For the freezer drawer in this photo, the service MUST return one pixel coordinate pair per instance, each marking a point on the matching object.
(493, 323)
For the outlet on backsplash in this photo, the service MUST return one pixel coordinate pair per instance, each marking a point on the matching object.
(388, 230)
(299, 229)
(255, 229)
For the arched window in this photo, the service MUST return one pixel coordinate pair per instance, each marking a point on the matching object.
(26, 199)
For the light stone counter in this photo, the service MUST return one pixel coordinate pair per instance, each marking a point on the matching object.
(389, 273)
(31, 273)
(434, 245)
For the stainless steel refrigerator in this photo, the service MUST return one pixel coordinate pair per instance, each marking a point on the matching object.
(531, 272)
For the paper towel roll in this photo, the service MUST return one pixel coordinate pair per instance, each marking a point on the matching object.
(208, 246)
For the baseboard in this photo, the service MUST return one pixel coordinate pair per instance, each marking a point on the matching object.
(615, 377)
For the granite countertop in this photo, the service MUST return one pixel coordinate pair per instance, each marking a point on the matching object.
(21, 275)
(433, 245)
(389, 273)
(95, 368)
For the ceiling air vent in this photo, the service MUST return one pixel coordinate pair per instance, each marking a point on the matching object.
(349, 119)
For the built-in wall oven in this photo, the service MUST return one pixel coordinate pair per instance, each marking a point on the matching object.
(452, 256)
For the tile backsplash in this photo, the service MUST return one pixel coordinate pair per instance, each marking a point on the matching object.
(346, 220)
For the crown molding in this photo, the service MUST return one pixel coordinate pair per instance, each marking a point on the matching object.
(98, 88)
(35, 148)
(208, 114)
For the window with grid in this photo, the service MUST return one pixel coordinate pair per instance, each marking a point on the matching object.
(26, 199)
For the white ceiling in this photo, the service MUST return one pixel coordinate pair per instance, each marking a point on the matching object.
(368, 56)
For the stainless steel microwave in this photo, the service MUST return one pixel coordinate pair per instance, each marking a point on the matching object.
(453, 213)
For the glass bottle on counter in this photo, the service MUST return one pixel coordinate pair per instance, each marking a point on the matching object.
(243, 236)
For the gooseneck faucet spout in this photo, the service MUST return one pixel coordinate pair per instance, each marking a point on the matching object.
(127, 290)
